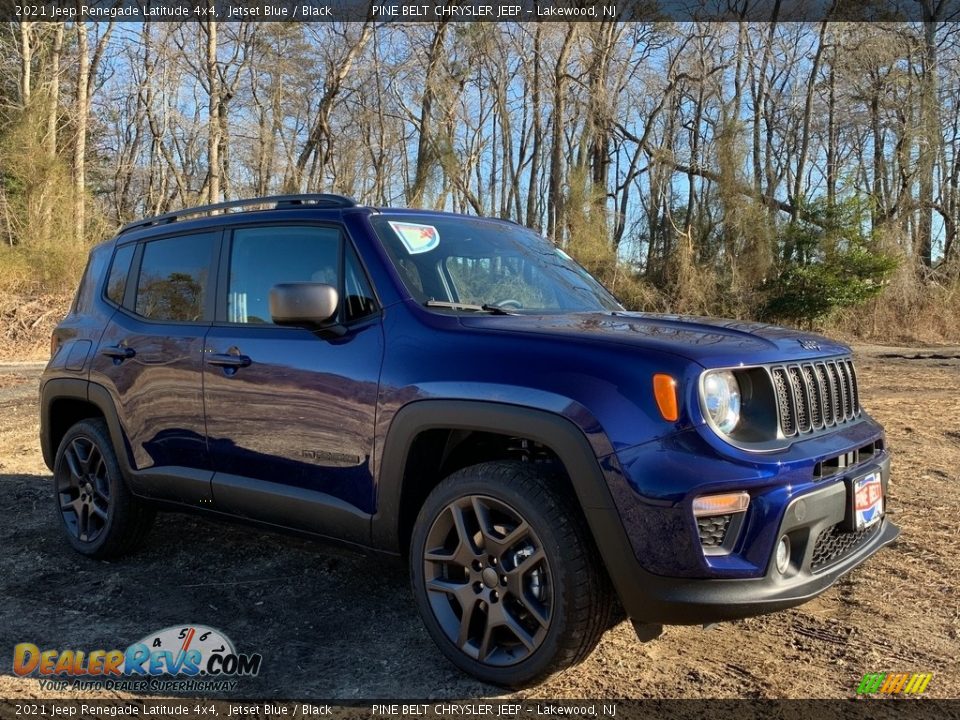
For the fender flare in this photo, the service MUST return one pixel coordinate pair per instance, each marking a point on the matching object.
(555, 431)
(92, 394)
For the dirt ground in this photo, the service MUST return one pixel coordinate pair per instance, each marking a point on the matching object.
(334, 625)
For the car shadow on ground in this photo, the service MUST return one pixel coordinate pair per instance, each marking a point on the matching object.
(330, 623)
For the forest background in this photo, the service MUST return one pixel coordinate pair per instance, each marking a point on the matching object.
(801, 173)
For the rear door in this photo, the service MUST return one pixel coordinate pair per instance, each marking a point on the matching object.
(290, 412)
(150, 359)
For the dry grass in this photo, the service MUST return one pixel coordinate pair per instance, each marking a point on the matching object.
(915, 307)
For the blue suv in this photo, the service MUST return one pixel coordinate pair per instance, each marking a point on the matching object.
(457, 391)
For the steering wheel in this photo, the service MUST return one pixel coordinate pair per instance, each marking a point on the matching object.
(516, 304)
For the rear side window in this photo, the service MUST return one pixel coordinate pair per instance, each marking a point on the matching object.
(175, 277)
(117, 280)
(264, 256)
(92, 276)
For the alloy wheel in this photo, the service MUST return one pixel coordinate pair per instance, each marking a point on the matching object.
(83, 490)
(488, 581)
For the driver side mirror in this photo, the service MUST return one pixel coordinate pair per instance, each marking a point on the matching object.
(305, 304)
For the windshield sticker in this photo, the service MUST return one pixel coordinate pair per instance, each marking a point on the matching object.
(416, 238)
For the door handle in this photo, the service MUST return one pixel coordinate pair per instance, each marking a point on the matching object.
(229, 360)
(118, 352)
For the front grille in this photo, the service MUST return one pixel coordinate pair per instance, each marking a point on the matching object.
(815, 395)
(713, 529)
(834, 544)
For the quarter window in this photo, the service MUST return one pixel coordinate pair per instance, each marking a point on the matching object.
(358, 299)
(117, 281)
(174, 278)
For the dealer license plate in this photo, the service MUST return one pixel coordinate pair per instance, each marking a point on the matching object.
(867, 500)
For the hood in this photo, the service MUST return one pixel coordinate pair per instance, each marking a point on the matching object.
(712, 342)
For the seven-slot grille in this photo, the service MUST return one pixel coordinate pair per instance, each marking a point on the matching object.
(815, 395)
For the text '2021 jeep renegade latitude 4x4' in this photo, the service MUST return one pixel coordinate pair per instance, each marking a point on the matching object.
(457, 390)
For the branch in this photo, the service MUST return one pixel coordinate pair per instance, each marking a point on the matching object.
(746, 190)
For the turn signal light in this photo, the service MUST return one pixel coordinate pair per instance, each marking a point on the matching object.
(665, 392)
(721, 504)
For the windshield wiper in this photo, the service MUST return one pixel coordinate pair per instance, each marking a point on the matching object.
(492, 309)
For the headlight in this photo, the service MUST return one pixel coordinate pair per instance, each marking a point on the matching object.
(721, 397)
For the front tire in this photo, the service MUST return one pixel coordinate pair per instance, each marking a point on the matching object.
(99, 515)
(506, 575)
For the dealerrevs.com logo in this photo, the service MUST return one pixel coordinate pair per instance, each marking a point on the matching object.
(186, 658)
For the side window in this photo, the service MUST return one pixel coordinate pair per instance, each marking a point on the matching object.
(264, 256)
(174, 278)
(92, 275)
(81, 301)
(358, 299)
(117, 280)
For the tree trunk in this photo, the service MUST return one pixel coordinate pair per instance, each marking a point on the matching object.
(534, 220)
(26, 61)
(930, 128)
(555, 194)
(832, 136)
(213, 114)
(805, 127)
(53, 98)
(318, 144)
(426, 152)
(80, 140)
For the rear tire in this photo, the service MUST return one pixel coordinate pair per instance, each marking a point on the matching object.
(506, 575)
(99, 515)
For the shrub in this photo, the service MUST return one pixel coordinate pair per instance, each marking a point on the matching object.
(829, 263)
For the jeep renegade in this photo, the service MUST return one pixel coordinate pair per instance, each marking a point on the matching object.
(458, 391)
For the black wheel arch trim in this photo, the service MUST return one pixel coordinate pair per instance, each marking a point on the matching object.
(555, 431)
(85, 391)
(558, 433)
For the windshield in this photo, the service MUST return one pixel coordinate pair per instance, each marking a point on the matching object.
(477, 264)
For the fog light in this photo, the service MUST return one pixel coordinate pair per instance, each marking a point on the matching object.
(783, 554)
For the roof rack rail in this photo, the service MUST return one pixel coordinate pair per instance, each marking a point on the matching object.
(278, 201)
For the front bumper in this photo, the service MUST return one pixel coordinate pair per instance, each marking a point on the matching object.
(817, 514)
(685, 601)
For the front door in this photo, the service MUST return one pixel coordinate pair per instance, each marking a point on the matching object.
(290, 412)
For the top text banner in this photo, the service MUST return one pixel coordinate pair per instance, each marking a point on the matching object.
(404, 11)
